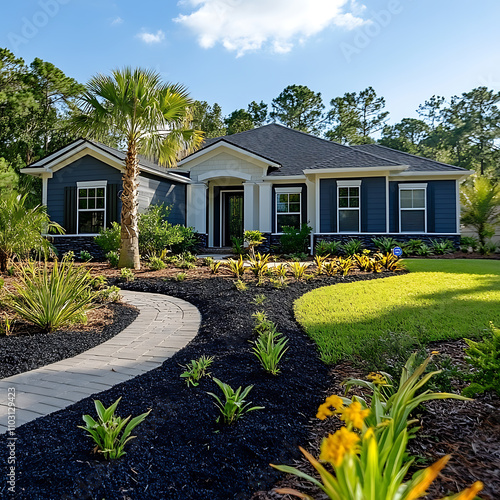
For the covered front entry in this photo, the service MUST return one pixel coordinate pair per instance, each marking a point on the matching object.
(232, 216)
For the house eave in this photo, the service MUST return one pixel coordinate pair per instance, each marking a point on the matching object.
(354, 170)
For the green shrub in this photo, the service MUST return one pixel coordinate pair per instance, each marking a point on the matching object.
(234, 405)
(155, 263)
(187, 240)
(324, 247)
(298, 257)
(109, 294)
(155, 232)
(294, 240)
(127, 274)
(109, 238)
(196, 369)
(106, 430)
(411, 247)
(53, 299)
(467, 242)
(386, 244)
(269, 348)
(113, 258)
(484, 356)
(487, 248)
(180, 276)
(424, 250)
(442, 247)
(237, 245)
(352, 247)
(85, 256)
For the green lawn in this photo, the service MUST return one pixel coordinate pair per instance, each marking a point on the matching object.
(439, 299)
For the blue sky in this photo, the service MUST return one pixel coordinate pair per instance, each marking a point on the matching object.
(236, 51)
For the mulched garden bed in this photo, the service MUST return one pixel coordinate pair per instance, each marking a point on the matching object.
(29, 347)
(180, 452)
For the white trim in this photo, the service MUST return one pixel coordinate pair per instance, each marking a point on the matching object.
(224, 144)
(348, 184)
(45, 183)
(355, 170)
(91, 184)
(318, 204)
(215, 174)
(444, 173)
(290, 190)
(277, 178)
(413, 187)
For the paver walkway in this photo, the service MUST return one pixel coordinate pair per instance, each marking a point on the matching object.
(165, 324)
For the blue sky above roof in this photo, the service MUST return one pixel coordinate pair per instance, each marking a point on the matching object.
(236, 51)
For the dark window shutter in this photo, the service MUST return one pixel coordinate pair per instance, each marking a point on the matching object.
(70, 209)
(112, 203)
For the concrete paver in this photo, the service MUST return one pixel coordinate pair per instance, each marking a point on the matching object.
(164, 326)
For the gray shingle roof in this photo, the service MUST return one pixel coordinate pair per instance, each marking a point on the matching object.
(416, 163)
(296, 151)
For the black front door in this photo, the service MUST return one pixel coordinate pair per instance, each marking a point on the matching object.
(232, 217)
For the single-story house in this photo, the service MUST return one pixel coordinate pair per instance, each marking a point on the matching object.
(263, 179)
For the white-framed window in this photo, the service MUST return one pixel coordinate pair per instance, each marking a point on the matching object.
(288, 207)
(413, 208)
(349, 206)
(91, 207)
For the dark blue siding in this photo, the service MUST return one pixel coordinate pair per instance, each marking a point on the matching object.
(372, 205)
(84, 169)
(328, 205)
(154, 190)
(441, 206)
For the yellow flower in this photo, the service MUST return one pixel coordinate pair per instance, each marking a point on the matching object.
(470, 493)
(331, 401)
(434, 353)
(355, 415)
(427, 477)
(336, 446)
(377, 378)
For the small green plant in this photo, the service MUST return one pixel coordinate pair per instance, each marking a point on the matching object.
(240, 285)
(331, 268)
(68, 256)
(52, 299)
(344, 265)
(324, 247)
(294, 240)
(487, 248)
(208, 261)
(113, 258)
(269, 348)
(424, 250)
(185, 260)
(99, 282)
(319, 260)
(106, 430)
(155, 263)
(237, 267)
(468, 243)
(180, 276)
(411, 247)
(234, 405)
(299, 270)
(259, 266)
(280, 270)
(196, 369)
(484, 356)
(109, 294)
(442, 247)
(237, 245)
(385, 245)
(6, 324)
(85, 256)
(214, 266)
(127, 274)
(352, 246)
(253, 239)
(259, 299)
(279, 282)
(109, 238)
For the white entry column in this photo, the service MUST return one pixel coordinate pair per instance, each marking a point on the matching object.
(249, 205)
(265, 207)
(196, 207)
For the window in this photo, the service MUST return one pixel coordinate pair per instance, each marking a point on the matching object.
(412, 208)
(288, 208)
(348, 206)
(91, 216)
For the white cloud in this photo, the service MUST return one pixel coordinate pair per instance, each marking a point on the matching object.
(146, 37)
(245, 25)
(117, 20)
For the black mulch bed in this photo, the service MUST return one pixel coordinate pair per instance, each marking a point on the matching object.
(21, 353)
(180, 452)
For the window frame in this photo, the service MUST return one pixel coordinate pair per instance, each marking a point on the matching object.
(348, 184)
(413, 187)
(288, 191)
(90, 185)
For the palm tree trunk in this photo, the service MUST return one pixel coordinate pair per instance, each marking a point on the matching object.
(129, 251)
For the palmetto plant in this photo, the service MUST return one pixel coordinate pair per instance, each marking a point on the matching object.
(52, 299)
(21, 228)
(149, 117)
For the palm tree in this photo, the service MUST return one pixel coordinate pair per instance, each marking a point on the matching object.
(481, 206)
(150, 118)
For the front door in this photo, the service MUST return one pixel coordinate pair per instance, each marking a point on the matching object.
(232, 217)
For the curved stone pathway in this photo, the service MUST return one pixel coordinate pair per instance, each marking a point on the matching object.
(165, 325)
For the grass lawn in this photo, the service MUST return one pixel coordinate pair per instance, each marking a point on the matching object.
(437, 300)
